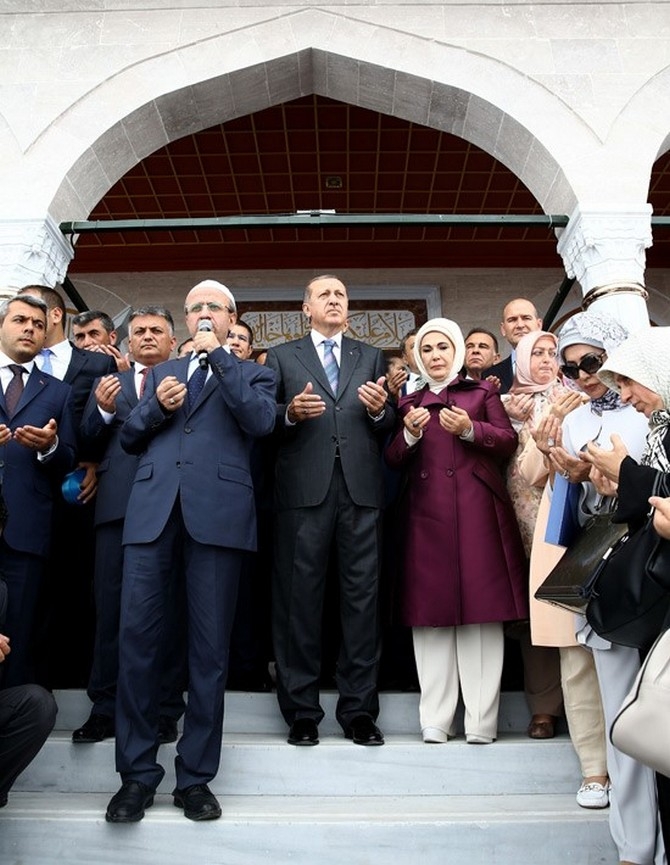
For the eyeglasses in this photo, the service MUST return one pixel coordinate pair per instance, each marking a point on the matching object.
(212, 306)
(589, 364)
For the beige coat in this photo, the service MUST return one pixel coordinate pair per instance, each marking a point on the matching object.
(549, 625)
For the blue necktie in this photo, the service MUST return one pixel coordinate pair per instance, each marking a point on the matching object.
(330, 364)
(195, 385)
(46, 360)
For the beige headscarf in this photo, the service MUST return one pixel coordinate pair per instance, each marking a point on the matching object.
(455, 336)
(523, 380)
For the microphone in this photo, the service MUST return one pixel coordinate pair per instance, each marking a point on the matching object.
(203, 359)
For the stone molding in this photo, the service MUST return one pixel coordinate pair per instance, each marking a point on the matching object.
(32, 251)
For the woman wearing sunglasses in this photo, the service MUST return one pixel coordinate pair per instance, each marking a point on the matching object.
(583, 345)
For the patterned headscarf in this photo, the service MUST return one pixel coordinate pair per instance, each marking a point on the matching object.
(600, 330)
(643, 357)
(523, 380)
(455, 336)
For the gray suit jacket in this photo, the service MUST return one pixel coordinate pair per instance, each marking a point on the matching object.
(308, 450)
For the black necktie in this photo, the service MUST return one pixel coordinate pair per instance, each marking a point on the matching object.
(14, 388)
(195, 385)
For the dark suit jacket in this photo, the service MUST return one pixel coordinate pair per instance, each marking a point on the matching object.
(84, 368)
(308, 450)
(116, 467)
(505, 372)
(30, 486)
(202, 456)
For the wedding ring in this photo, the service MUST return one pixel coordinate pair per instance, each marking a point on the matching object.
(565, 474)
(415, 423)
(171, 400)
(551, 442)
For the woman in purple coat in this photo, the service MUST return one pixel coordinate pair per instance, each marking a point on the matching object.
(464, 568)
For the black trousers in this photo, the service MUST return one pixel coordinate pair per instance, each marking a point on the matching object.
(304, 538)
(27, 716)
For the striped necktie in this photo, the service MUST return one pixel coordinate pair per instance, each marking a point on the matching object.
(330, 364)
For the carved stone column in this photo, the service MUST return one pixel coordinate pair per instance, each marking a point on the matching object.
(605, 252)
(32, 252)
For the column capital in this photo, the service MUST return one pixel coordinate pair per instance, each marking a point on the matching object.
(32, 251)
(606, 248)
(605, 252)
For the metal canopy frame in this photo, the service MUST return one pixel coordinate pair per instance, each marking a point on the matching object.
(312, 219)
(324, 219)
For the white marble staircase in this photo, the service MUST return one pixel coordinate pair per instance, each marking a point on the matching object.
(509, 803)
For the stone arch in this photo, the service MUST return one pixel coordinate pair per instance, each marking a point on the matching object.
(642, 127)
(480, 99)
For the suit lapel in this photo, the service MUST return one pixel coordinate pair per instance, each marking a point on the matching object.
(307, 354)
(349, 357)
(34, 385)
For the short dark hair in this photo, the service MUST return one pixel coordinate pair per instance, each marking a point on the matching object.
(30, 299)
(81, 319)
(403, 341)
(160, 311)
(483, 330)
(52, 298)
(248, 329)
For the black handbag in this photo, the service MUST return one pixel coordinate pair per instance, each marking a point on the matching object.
(568, 584)
(628, 603)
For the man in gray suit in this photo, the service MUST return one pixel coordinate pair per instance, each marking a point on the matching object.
(332, 417)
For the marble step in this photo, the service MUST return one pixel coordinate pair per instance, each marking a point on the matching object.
(259, 713)
(257, 764)
(338, 803)
(69, 829)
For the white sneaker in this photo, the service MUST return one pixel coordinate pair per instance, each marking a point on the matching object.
(593, 795)
(474, 739)
(434, 736)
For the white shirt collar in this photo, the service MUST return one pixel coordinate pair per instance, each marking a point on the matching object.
(318, 338)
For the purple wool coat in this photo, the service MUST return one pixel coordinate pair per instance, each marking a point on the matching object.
(463, 558)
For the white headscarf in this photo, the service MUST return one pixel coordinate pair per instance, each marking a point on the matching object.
(455, 336)
(644, 357)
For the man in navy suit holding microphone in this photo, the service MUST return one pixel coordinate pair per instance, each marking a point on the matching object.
(192, 501)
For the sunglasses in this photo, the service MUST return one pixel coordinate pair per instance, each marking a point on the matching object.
(589, 364)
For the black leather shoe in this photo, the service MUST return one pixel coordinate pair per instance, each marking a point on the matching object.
(364, 731)
(127, 806)
(97, 728)
(198, 802)
(167, 730)
(303, 732)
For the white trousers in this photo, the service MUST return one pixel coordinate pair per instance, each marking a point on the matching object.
(465, 658)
